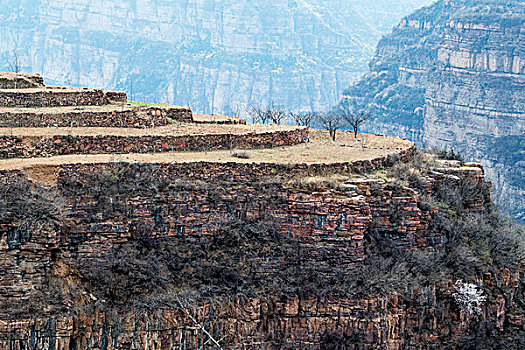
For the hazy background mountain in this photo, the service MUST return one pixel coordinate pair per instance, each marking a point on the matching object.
(452, 76)
(216, 56)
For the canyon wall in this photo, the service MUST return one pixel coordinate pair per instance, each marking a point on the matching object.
(217, 57)
(452, 76)
(290, 323)
(94, 210)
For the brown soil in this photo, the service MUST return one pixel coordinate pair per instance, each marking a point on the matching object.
(213, 118)
(173, 129)
(43, 174)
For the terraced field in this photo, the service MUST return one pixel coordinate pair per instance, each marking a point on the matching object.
(44, 126)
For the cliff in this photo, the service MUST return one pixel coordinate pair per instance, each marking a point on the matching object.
(451, 76)
(217, 56)
(127, 234)
(260, 256)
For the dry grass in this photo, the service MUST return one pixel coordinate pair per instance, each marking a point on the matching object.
(213, 118)
(176, 129)
(318, 183)
(52, 89)
(150, 104)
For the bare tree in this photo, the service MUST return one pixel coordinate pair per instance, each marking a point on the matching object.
(276, 115)
(236, 110)
(303, 119)
(331, 121)
(14, 63)
(355, 120)
(131, 88)
(199, 326)
(268, 114)
(258, 114)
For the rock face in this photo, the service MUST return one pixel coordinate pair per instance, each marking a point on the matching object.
(103, 207)
(452, 76)
(214, 56)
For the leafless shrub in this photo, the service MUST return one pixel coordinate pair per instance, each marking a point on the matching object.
(448, 155)
(241, 155)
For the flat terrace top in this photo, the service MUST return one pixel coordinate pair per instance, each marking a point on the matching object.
(320, 149)
(123, 107)
(213, 118)
(12, 75)
(171, 130)
(51, 89)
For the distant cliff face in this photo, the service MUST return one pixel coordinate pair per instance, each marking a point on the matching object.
(217, 56)
(452, 76)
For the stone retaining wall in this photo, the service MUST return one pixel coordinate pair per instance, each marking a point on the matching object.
(232, 121)
(125, 117)
(235, 171)
(29, 147)
(20, 81)
(11, 147)
(116, 96)
(54, 97)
